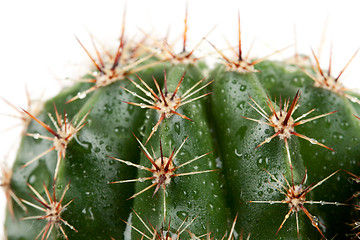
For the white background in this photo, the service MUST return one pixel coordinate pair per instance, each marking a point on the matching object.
(38, 47)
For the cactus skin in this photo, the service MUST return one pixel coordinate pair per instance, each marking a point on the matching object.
(86, 146)
(238, 152)
(218, 127)
(340, 131)
(185, 195)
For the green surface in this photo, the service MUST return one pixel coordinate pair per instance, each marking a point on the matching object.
(218, 127)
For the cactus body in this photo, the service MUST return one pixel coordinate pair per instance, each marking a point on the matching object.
(151, 163)
(238, 152)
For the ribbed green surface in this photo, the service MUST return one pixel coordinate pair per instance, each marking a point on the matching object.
(218, 128)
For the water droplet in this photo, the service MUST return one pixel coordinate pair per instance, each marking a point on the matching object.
(241, 105)
(36, 136)
(108, 109)
(119, 130)
(270, 190)
(269, 81)
(262, 163)
(109, 148)
(344, 125)
(338, 178)
(81, 95)
(237, 153)
(32, 179)
(177, 127)
(182, 214)
(242, 88)
(315, 223)
(218, 161)
(130, 109)
(228, 130)
(40, 175)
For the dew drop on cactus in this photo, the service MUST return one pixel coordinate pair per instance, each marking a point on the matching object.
(81, 95)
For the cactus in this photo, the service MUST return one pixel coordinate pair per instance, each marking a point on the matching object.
(161, 146)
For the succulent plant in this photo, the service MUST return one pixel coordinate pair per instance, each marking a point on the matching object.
(161, 146)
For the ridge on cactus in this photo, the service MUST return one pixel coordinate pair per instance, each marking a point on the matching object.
(283, 122)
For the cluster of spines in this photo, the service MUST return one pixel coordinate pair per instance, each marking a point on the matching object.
(65, 130)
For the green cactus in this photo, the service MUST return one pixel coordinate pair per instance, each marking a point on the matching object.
(160, 146)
